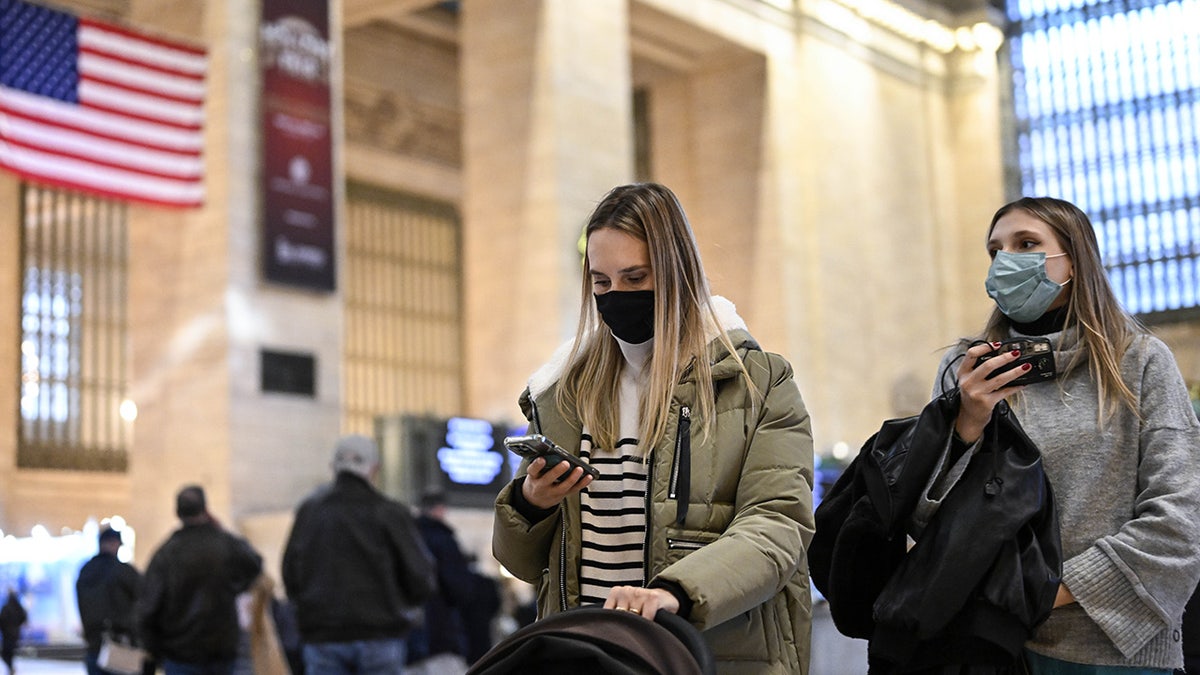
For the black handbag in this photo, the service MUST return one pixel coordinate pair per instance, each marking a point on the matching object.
(985, 569)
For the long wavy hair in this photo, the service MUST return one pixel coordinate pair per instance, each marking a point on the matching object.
(683, 315)
(1105, 328)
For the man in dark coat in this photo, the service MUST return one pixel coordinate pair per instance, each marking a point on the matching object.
(106, 592)
(355, 569)
(188, 612)
(440, 644)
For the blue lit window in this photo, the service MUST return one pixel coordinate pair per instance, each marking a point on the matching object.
(1107, 103)
(74, 413)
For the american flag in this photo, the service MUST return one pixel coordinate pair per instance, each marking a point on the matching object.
(100, 108)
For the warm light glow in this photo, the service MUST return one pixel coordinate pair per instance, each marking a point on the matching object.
(129, 410)
(840, 450)
(988, 37)
(965, 39)
(892, 16)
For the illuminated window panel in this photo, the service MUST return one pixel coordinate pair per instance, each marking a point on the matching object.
(74, 412)
(1107, 103)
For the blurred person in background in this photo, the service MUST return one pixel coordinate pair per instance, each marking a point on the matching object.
(106, 592)
(439, 645)
(12, 617)
(187, 614)
(356, 570)
(479, 618)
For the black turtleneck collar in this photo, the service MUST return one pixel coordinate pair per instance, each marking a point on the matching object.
(1052, 321)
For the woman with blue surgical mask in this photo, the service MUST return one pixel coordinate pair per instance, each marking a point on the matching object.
(1120, 443)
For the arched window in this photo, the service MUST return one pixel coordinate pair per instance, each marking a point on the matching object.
(1106, 96)
(73, 332)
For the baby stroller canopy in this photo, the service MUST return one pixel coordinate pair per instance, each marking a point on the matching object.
(596, 641)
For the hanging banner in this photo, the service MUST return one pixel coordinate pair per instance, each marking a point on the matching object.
(297, 148)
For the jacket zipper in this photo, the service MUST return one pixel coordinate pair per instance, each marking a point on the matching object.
(681, 474)
(684, 544)
(685, 424)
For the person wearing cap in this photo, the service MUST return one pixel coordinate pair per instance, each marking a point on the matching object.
(106, 592)
(356, 569)
(187, 613)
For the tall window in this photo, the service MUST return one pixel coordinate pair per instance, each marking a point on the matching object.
(403, 299)
(73, 332)
(1107, 100)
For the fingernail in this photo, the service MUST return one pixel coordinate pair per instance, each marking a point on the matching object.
(1016, 352)
(1026, 366)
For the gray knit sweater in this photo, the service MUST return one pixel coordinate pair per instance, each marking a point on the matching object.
(1128, 497)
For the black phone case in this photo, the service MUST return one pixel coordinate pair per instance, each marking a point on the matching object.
(536, 445)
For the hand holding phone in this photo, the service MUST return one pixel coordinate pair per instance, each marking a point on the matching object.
(536, 445)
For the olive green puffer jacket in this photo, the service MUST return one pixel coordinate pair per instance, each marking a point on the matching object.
(733, 534)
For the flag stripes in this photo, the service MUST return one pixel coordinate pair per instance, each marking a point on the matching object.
(100, 108)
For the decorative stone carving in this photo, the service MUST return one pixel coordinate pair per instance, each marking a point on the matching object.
(394, 122)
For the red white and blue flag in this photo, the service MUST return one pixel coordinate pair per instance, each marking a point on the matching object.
(100, 108)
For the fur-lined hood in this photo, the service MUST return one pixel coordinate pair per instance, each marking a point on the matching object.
(550, 372)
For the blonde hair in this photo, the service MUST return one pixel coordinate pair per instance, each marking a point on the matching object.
(683, 313)
(1105, 329)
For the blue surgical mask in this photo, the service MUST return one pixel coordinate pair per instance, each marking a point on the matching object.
(1020, 286)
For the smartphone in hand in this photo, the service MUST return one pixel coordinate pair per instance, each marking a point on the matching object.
(537, 445)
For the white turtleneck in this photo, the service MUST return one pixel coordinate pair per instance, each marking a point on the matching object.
(613, 508)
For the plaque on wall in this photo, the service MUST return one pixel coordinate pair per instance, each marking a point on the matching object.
(287, 372)
(297, 146)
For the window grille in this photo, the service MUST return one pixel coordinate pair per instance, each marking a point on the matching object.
(73, 332)
(403, 308)
(1107, 101)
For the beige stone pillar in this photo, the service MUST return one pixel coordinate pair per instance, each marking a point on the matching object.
(973, 185)
(547, 130)
(783, 275)
(10, 337)
(201, 313)
(707, 135)
(179, 342)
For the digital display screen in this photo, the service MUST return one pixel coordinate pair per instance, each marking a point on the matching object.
(464, 457)
(467, 454)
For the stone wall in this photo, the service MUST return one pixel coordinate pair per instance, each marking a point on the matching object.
(839, 177)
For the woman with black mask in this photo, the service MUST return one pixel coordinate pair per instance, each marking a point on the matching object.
(703, 507)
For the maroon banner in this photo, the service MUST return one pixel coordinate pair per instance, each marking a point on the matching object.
(297, 147)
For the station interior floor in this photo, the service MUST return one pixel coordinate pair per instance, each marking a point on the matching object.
(832, 653)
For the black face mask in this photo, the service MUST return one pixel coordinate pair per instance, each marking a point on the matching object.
(629, 314)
